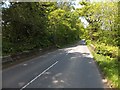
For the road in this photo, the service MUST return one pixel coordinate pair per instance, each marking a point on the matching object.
(71, 67)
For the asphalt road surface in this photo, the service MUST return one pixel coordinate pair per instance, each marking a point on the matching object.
(71, 67)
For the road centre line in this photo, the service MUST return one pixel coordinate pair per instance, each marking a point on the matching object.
(38, 75)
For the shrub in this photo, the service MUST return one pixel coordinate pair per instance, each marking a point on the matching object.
(106, 50)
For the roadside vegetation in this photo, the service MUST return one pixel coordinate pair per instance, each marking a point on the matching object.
(107, 59)
(28, 26)
(103, 39)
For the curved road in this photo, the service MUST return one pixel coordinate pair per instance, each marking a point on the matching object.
(71, 67)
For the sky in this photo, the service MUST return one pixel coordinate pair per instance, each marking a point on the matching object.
(83, 20)
(77, 5)
(6, 3)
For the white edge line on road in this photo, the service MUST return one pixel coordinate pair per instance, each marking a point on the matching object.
(38, 76)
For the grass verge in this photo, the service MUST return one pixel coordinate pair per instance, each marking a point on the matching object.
(109, 68)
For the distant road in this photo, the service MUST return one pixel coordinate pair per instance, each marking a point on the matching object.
(71, 67)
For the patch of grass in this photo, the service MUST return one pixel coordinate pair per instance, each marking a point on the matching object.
(109, 67)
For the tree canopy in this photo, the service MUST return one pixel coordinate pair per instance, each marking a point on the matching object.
(33, 25)
(29, 26)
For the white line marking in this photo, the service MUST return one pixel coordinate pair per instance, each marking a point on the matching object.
(38, 76)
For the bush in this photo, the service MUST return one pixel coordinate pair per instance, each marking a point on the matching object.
(109, 67)
(106, 50)
(88, 42)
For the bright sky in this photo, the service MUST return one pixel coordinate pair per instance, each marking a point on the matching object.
(77, 5)
(83, 20)
(6, 3)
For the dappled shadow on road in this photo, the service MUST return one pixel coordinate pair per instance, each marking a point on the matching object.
(76, 69)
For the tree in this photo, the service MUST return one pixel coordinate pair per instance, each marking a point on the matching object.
(39, 25)
(102, 18)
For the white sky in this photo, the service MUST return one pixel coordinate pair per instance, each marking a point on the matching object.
(83, 20)
(6, 3)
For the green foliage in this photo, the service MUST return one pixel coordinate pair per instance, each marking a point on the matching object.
(103, 21)
(109, 66)
(25, 29)
(88, 42)
(38, 25)
(65, 26)
(107, 50)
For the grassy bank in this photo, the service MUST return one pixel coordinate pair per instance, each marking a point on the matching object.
(107, 59)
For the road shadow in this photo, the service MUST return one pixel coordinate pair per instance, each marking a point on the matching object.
(75, 70)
